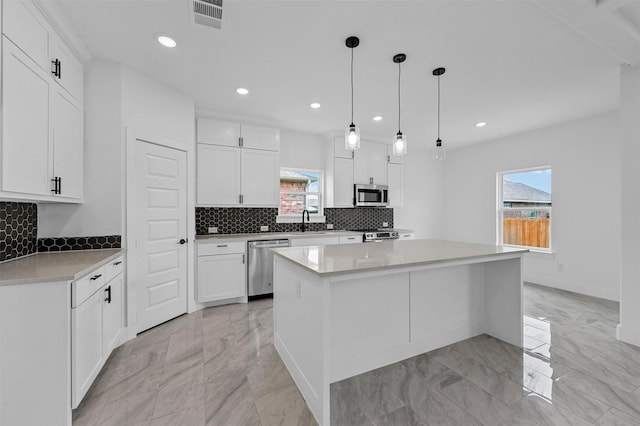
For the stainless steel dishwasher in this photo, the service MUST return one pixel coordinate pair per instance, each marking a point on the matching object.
(261, 266)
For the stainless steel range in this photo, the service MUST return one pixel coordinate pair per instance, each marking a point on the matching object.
(377, 235)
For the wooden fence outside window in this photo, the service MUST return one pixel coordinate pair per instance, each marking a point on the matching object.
(529, 232)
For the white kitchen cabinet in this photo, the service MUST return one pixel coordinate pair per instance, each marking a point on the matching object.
(67, 144)
(97, 302)
(351, 239)
(86, 341)
(218, 170)
(407, 235)
(41, 147)
(260, 177)
(339, 151)
(221, 271)
(230, 176)
(69, 72)
(395, 178)
(370, 164)
(25, 119)
(343, 182)
(216, 132)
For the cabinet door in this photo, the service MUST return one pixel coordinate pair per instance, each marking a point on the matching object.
(25, 124)
(378, 163)
(396, 184)
(361, 164)
(70, 68)
(260, 179)
(343, 182)
(221, 277)
(215, 132)
(257, 137)
(24, 26)
(407, 236)
(86, 345)
(112, 314)
(351, 239)
(218, 175)
(67, 144)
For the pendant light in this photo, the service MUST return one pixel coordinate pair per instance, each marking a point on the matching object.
(439, 152)
(352, 133)
(400, 141)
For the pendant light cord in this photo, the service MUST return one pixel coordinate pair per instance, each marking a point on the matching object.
(399, 107)
(438, 107)
(352, 85)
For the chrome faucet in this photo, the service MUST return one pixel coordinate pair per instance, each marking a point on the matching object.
(304, 228)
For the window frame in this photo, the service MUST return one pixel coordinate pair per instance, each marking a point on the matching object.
(313, 217)
(500, 209)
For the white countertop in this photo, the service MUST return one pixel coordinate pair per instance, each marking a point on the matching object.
(341, 259)
(54, 266)
(274, 235)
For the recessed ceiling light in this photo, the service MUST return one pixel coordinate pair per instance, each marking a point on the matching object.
(242, 91)
(166, 41)
(377, 118)
(315, 105)
(481, 124)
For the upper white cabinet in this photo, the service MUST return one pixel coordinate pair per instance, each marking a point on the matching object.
(41, 147)
(395, 178)
(394, 159)
(339, 151)
(238, 165)
(225, 133)
(343, 182)
(370, 164)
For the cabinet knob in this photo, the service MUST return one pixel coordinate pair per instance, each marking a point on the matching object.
(182, 241)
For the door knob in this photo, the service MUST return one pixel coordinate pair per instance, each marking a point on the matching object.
(182, 241)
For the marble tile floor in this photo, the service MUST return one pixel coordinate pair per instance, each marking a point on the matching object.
(218, 367)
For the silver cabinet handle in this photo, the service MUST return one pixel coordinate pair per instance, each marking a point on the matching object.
(95, 277)
(117, 263)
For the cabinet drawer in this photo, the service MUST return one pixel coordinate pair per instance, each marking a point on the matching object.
(83, 288)
(113, 268)
(351, 239)
(205, 249)
(25, 27)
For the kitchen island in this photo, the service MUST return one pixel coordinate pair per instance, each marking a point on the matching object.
(340, 311)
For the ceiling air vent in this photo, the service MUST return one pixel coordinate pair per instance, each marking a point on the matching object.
(207, 12)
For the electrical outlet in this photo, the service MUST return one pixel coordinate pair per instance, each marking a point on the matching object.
(329, 225)
(299, 289)
(213, 229)
(264, 228)
(385, 224)
(560, 267)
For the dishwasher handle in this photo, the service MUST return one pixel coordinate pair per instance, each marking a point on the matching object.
(268, 244)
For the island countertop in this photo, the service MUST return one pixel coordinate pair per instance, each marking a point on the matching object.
(54, 266)
(342, 259)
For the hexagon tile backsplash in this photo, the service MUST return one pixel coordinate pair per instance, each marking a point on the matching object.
(18, 229)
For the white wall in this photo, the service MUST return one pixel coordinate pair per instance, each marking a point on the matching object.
(585, 160)
(423, 194)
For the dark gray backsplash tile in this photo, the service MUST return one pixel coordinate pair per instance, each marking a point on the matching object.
(79, 243)
(18, 229)
(242, 220)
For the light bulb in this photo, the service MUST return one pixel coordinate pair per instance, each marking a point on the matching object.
(352, 138)
(400, 144)
(439, 153)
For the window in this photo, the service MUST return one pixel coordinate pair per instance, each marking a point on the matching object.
(524, 208)
(300, 190)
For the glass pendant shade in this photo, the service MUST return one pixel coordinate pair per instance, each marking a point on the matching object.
(439, 153)
(352, 137)
(400, 144)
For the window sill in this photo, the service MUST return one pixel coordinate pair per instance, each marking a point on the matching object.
(298, 219)
(536, 252)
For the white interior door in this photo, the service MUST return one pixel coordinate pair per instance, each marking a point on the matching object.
(161, 224)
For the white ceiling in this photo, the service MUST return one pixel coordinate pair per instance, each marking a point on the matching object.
(516, 64)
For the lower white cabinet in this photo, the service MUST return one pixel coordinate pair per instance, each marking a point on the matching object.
(351, 239)
(221, 271)
(96, 324)
(314, 241)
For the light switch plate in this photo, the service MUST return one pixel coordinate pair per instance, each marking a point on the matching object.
(264, 228)
(329, 225)
(213, 229)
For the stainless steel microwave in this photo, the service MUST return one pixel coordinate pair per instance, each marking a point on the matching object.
(370, 195)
